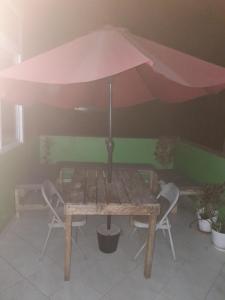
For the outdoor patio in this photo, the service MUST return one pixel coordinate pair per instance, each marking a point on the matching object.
(197, 274)
(112, 113)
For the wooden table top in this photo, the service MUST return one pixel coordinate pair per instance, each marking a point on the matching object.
(128, 193)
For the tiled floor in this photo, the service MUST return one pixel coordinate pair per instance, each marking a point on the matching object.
(198, 273)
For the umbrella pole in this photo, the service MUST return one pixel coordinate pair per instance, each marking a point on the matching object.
(109, 142)
(109, 147)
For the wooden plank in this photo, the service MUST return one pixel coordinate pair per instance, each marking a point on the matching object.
(68, 247)
(150, 246)
(112, 195)
(126, 187)
(20, 192)
(125, 194)
(191, 191)
(91, 186)
(85, 186)
(125, 209)
(110, 191)
(125, 178)
(153, 182)
(101, 186)
(138, 190)
(78, 187)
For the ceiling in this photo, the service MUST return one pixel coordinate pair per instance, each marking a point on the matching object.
(192, 26)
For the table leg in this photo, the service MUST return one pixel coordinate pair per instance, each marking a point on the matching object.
(150, 246)
(68, 247)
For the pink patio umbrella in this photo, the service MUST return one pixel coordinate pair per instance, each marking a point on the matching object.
(111, 66)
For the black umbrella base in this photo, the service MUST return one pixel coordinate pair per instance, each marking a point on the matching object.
(108, 239)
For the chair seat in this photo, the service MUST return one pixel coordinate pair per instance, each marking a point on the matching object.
(167, 198)
(76, 220)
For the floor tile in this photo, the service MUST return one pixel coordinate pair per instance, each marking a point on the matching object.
(164, 296)
(217, 291)
(49, 279)
(162, 271)
(75, 289)
(131, 289)
(22, 256)
(8, 275)
(184, 287)
(22, 290)
(102, 276)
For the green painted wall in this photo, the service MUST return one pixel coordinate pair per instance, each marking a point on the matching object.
(93, 149)
(15, 164)
(199, 164)
(129, 150)
(66, 148)
(193, 161)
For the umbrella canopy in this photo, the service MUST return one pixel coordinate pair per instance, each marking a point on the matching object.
(77, 73)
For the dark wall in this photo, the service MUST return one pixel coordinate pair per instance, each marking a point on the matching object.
(201, 121)
(196, 27)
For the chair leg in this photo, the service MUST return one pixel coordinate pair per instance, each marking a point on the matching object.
(46, 241)
(17, 202)
(132, 232)
(171, 241)
(130, 221)
(78, 247)
(76, 235)
(81, 230)
(139, 251)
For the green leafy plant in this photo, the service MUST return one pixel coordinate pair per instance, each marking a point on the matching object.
(219, 224)
(164, 150)
(210, 200)
(47, 145)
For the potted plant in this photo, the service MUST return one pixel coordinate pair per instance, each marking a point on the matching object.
(164, 155)
(164, 151)
(207, 205)
(49, 169)
(46, 148)
(218, 229)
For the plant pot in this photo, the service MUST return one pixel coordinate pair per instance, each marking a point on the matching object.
(108, 239)
(218, 240)
(204, 225)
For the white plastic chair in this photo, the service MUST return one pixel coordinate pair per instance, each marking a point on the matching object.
(56, 203)
(170, 193)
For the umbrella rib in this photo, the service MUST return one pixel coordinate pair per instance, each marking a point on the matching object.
(145, 83)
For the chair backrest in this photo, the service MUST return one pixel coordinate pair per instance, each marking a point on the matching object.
(52, 198)
(171, 193)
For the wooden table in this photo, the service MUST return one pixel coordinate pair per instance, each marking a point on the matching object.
(128, 194)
